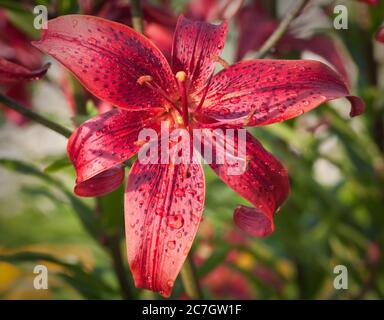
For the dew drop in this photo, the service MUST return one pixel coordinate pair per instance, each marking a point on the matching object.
(92, 40)
(159, 212)
(234, 100)
(175, 221)
(179, 193)
(170, 283)
(195, 219)
(171, 244)
(224, 111)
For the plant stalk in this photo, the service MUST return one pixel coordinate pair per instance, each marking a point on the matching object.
(275, 37)
(137, 16)
(34, 116)
(190, 279)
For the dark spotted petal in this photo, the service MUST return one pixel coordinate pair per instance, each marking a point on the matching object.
(163, 206)
(109, 58)
(196, 45)
(259, 92)
(260, 179)
(103, 143)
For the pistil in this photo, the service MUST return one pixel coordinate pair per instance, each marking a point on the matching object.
(181, 78)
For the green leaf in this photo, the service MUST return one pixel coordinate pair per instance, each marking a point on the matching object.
(90, 285)
(85, 213)
(91, 108)
(24, 21)
(57, 165)
(112, 211)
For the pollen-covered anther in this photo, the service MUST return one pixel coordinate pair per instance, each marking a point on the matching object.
(144, 79)
(220, 60)
(181, 76)
(139, 143)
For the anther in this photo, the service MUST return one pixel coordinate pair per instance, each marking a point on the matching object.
(144, 79)
(181, 76)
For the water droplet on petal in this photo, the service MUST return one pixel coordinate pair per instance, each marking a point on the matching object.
(179, 193)
(175, 221)
(171, 244)
(92, 40)
(195, 219)
(224, 111)
(170, 283)
(234, 100)
(159, 212)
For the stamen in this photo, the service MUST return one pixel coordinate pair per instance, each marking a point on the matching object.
(249, 116)
(148, 81)
(220, 60)
(204, 93)
(181, 76)
(144, 79)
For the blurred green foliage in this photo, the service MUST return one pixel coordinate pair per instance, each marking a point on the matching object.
(334, 215)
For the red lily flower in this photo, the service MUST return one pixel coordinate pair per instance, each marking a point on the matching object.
(19, 62)
(164, 202)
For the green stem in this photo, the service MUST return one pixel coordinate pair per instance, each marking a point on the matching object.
(137, 16)
(281, 29)
(34, 116)
(113, 246)
(190, 279)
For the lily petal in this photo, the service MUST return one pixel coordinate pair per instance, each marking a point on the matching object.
(380, 34)
(196, 46)
(102, 143)
(260, 92)
(11, 72)
(163, 206)
(264, 181)
(109, 58)
(101, 183)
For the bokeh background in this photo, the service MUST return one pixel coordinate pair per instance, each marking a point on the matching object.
(335, 211)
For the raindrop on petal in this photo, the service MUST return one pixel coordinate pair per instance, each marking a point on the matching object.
(175, 221)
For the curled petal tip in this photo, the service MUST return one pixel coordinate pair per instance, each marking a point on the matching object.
(101, 184)
(253, 221)
(357, 106)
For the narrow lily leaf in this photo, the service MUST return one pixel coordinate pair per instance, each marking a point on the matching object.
(87, 284)
(84, 213)
(58, 165)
